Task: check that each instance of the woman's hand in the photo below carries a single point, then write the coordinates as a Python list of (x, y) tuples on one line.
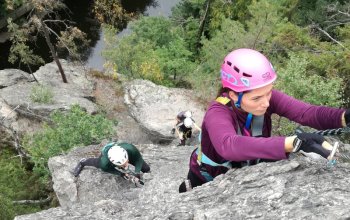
[(308, 142), (346, 118)]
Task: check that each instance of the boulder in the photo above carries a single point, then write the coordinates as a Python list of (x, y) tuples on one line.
[(16, 87), (155, 107)]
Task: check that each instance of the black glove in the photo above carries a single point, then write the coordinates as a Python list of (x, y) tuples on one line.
[(136, 181), (347, 117), (309, 142), (173, 131)]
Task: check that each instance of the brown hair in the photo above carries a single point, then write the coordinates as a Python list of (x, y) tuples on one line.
[(227, 90)]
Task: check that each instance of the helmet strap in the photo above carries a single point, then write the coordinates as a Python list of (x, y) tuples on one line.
[(248, 121), (238, 103), (247, 124)]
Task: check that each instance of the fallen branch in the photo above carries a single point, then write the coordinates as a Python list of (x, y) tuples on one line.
[(33, 202), (330, 37)]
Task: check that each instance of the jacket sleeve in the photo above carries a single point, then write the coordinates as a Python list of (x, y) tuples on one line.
[(318, 117), (220, 125), (134, 154)]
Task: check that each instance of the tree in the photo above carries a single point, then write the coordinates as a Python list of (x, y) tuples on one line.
[(40, 21), (111, 12), (8, 6)]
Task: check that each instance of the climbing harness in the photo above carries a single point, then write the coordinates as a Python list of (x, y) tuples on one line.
[(257, 125)]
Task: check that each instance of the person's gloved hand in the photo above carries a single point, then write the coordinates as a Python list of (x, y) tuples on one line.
[(309, 142), (173, 131), (347, 117), (136, 181), (125, 176)]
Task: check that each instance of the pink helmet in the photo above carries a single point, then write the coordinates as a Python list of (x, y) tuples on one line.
[(246, 69)]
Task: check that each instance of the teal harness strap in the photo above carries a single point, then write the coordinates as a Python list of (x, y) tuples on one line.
[(206, 175), (208, 161)]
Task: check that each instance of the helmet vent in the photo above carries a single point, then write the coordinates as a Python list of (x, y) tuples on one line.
[(247, 75), (229, 63), (236, 69)]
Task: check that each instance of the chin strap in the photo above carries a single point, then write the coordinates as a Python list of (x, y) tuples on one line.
[(238, 103)]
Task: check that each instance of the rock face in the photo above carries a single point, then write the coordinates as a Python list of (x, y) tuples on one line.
[(78, 90), (155, 107), (291, 189), (298, 188), (26, 115)]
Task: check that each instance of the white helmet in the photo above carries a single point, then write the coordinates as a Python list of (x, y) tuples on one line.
[(188, 114), (117, 155), (188, 122)]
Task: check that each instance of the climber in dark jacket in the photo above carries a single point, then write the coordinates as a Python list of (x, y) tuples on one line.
[(115, 158), (183, 126)]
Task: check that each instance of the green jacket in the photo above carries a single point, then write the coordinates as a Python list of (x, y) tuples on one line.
[(134, 155)]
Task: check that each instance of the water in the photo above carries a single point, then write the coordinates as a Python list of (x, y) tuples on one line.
[(159, 8), (81, 15)]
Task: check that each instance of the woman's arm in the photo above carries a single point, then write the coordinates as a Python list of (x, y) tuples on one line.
[(221, 128), (318, 117)]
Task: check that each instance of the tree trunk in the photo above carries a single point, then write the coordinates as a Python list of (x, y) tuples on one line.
[(53, 51), (202, 24)]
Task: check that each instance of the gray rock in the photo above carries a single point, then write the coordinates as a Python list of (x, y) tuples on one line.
[(290, 189), (11, 77), (155, 107), (15, 90)]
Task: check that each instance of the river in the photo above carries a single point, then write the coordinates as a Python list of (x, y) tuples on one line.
[(81, 15), (161, 8)]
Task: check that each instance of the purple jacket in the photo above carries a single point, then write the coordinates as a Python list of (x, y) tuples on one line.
[(221, 143)]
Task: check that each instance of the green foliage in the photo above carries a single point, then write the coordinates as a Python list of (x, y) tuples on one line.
[(234, 10), (154, 50), (75, 128), (19, 50), (73, 40), (16, 183), (295, 80), (41, 94), (9, 5), (161, 48), (43, 16), (205, 78), (173, 59), (111, 12), (291, 37), (158, 30), (6, 213)]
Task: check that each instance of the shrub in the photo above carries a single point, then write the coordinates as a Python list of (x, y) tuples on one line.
[(6, 213), (75, 128), (295, 80), (41, 94)]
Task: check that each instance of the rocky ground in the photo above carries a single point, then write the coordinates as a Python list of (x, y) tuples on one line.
[(110, 97)]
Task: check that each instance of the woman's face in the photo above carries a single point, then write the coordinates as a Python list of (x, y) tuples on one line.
[(255, 101), (125, 165)]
